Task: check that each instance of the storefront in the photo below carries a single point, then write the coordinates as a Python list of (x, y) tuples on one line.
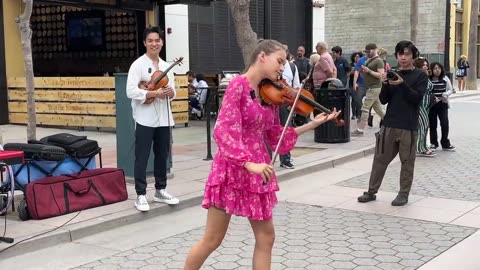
[(76, 48)]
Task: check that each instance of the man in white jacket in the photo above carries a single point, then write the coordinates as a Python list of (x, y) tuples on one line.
[(152, 120)]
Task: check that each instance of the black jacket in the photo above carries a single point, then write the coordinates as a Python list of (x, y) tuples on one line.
[(404, 99)]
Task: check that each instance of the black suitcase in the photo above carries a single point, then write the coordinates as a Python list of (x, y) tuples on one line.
[(75, 146), (38, 151)]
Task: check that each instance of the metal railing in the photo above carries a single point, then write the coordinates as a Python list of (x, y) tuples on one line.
[(212, 104)]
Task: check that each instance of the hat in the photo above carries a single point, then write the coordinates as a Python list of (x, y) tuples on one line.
[(370, 46)]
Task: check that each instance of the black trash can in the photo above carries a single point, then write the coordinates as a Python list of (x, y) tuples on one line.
[(333, 94)]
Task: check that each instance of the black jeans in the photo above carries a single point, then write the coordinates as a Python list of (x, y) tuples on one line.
[(161, 147), (440, 111), (357, 103)]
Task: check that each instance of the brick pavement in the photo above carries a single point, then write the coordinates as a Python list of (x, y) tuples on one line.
[(449, 175), (323, 238)]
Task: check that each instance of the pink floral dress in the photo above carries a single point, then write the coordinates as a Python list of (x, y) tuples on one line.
[(243, 126)]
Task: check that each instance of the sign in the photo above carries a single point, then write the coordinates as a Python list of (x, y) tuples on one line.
[(117, 4)]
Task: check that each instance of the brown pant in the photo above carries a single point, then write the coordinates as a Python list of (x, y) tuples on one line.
[(389, 143)]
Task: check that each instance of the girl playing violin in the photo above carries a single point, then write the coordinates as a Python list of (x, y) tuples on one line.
[(242, 181)]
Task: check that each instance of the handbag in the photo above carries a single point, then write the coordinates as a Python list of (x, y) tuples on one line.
[(460, 72)]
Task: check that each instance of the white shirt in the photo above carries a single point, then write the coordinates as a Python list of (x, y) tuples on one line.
[(158, 113), (202, 92), (288, 75)]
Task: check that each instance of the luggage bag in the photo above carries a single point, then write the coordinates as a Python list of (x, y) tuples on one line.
[(59, 195), (75, 146), (38, 151)]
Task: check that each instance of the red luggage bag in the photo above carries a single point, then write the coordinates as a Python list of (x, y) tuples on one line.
[(59, 195)]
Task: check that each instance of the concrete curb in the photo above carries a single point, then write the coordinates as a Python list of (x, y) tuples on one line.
[(465, 95), (70, 233)]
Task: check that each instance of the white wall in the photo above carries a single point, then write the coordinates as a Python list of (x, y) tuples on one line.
[(318, 27), (176, 18)]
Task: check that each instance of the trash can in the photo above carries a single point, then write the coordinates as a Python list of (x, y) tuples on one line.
[(333, 94)]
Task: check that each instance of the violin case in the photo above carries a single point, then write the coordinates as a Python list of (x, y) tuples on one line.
[(59, 195), (75, 146), (38, 151)]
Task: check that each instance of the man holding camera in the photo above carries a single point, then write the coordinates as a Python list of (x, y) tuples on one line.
[(371, 73), (403, 90)]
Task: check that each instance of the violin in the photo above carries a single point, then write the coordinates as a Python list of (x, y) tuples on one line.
[(279, 92), (158, 80)]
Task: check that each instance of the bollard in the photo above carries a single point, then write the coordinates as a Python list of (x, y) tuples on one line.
[(209, 136)]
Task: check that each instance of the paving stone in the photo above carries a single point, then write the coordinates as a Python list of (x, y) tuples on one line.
[(363, 244), (225, 265), (365, 262), (342, 265), (341, 257)]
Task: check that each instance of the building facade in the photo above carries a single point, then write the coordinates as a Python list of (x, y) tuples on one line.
[(352, 24)]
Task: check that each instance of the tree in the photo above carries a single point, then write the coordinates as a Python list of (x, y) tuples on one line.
[(246, 37), (413, 20), (472, 47), (23, 22)]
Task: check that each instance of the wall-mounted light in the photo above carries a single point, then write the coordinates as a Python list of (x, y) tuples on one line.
[(169, 30)]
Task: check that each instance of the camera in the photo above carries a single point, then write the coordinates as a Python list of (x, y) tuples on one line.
[(391, 75)]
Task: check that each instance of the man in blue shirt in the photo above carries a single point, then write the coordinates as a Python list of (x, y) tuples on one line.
[(358, 86)]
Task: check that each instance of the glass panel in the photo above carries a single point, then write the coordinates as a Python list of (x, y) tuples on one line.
[(459, 4), (458, 31), (478, 32), (478, 59)]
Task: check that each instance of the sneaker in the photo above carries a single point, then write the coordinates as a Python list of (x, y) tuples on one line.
[(449, 148), (287, 165), (141, 203), (197, 112), (164, 197), (367, 197), (429, 153), (433, 147), (400, 200), (356, 133)]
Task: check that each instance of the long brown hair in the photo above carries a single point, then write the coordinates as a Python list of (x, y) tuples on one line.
[(267, 46)]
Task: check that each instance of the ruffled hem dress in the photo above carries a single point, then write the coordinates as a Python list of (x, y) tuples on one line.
[(243, 129)]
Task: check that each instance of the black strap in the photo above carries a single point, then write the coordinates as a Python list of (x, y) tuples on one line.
[(67, 187), (100, 195), (370, 60)]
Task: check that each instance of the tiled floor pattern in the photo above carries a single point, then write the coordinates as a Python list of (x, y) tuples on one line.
[(308, 237)]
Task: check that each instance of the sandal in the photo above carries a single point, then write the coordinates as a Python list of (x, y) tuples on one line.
[(367, 197)]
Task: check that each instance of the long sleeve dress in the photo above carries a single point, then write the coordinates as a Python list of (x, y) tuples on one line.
[(243, 126)]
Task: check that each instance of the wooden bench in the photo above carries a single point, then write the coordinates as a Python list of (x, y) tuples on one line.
[(78, 101)]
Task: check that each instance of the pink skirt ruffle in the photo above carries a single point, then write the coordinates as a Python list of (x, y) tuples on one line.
[(256, 206)]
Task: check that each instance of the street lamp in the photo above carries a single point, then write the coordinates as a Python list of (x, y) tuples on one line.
[(446, 59)]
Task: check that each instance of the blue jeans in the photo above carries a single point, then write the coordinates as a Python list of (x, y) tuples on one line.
[(283, 119), (285, 158)]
